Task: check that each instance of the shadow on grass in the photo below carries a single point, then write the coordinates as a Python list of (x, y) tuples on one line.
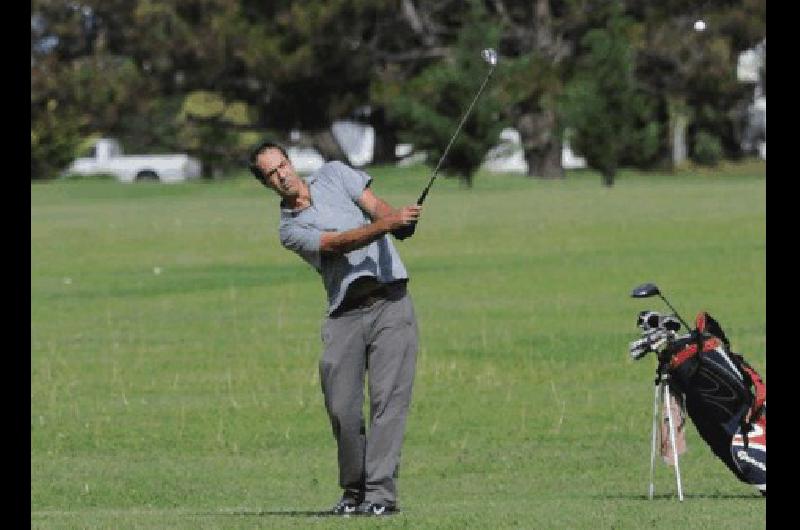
[(262, 513), (674, 496)]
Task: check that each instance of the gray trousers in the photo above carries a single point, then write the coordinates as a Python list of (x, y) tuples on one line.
[(379, 341)]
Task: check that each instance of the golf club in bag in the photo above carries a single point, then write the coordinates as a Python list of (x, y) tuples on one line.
[(489, 55), (724, 396)]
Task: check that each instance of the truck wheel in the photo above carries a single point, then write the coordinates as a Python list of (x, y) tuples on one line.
[(147, 175)]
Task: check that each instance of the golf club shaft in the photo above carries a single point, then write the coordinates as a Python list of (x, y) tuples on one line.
[(409, 229), (675, 312), (453, 138)]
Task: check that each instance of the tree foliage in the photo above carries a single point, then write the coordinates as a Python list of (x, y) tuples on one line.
[(610, 114), (693, 73), (429, 107), (150, 72)]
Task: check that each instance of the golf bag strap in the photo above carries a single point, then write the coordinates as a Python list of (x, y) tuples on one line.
[(759, 398), (700, 321), (705, 323), (691, 350), (761, 391)]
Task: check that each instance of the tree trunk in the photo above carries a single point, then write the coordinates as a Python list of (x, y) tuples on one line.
[(541, 145), (385, 139), (678, 122), (206, 169), (467, 180), (538, 125), (323, 141), (608, 177)]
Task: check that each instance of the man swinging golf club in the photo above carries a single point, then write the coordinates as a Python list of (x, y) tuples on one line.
[(339, 226)]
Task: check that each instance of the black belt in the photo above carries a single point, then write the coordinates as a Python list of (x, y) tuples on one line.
[(382, 291)]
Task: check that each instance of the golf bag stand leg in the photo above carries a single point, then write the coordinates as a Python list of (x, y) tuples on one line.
[(660, 397), (656, 404), (665, 384)]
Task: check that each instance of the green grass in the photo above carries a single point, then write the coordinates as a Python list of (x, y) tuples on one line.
[(174, 350)]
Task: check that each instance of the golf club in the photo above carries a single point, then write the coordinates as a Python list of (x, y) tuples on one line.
[(647, 290), (490, 56)]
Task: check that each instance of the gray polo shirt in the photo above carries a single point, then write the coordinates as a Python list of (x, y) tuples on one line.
[(335, 188)]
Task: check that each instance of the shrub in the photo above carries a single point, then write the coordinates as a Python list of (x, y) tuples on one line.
[(706, 149)]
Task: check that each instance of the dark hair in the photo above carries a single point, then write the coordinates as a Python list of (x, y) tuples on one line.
[(263, 146)]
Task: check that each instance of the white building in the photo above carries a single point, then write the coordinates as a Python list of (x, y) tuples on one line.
[(357, 140), (509, 157), (748, 70)]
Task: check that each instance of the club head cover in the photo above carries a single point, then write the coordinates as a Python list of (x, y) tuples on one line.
[(648, 320), (670, 323)]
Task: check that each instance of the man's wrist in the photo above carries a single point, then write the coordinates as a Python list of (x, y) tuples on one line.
[(383, 225)]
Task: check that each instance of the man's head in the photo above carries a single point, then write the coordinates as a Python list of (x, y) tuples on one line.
[(271, 166)]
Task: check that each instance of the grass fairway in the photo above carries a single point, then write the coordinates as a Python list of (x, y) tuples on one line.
[(174, 350)]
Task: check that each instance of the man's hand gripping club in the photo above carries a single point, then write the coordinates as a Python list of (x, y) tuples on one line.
[(385, 219)]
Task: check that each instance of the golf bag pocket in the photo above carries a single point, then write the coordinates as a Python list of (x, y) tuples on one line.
[(751, 457)]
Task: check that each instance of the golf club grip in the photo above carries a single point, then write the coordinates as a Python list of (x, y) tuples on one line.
[(408, 230), (405, 232), (423, 195)]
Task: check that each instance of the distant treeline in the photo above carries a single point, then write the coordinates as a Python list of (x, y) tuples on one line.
[(213, 77)]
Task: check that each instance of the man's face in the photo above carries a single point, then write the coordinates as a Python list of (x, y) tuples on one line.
[(280, 173)]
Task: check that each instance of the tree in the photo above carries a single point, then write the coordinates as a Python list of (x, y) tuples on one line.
[(692, 73), (133, 70), (310, 63), (130, 67), (55, 137), (77, 86), (603, 103), (534, 39), (209, 127), (55, 124), (429, 107)]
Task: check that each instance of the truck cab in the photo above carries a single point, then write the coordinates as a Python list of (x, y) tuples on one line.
[(105, 149)]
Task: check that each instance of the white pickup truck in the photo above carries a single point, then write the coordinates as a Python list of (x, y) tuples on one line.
[(106, 157)]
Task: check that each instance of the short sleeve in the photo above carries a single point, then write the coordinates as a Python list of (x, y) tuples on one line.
[(353, 181), (302, 239)]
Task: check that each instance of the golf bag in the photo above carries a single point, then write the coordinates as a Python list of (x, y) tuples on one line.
[(724, 396)]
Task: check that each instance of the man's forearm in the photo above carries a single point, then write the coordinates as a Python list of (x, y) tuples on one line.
[(343, 242), (382, 209)]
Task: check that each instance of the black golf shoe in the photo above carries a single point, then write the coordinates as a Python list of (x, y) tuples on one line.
[(346, 506), (376, 509)]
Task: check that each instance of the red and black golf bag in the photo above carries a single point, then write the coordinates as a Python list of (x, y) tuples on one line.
[(724, 396)]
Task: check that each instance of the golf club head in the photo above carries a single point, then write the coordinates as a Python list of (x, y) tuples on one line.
[(645, 290), (647, 320), (638, 349), (641, 347), (490, 56)]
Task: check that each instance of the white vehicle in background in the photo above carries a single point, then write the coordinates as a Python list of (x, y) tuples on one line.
[(106, 157)]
